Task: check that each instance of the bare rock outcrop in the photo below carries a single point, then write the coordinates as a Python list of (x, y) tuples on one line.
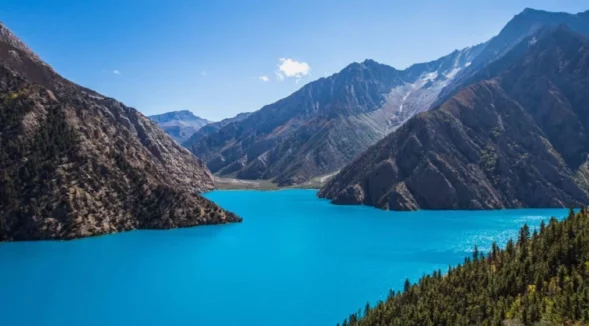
[(74, 163), (517, 137)]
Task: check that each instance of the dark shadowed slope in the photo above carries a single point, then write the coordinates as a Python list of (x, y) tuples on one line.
[(517, 139), (74, 163), (180, 125), (328, 122)]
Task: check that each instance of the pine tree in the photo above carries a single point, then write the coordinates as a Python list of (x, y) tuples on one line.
[(542, 278)]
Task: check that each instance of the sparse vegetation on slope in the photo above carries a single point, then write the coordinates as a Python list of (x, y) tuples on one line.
[(74, 163)]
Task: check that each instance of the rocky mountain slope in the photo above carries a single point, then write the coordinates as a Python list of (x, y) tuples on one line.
[(328, 122), (180, 125), (213, 127), (74, 163), (522, 26), (517, 138)]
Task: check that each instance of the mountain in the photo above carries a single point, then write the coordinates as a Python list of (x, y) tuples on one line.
[(540, 278), (180, 125), (328, 122), (212, 127), (519, 137), (520, 27), (74, 163)]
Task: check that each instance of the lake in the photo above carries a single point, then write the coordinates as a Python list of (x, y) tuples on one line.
[(295, 260)]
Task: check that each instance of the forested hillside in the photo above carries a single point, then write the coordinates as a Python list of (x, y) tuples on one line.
[(540, 279)]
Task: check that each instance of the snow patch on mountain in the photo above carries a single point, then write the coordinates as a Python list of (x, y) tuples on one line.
[(453, 72), (420, 89), (403, 101)]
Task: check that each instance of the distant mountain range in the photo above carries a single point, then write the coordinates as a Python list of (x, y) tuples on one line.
[(213, 127), (516, 136), (180, 125), (74, 163), (329, 122), (501, 124)]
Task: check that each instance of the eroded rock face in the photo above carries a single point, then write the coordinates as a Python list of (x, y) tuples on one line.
[(74, 163), (517, 138), (7, 37), (522, 26), (327, 123), (353, 194), (212, 128)]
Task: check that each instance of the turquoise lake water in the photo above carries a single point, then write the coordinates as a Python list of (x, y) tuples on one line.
[(295, 260)]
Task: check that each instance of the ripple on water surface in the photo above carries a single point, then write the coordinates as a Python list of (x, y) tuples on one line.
[(295, 260)]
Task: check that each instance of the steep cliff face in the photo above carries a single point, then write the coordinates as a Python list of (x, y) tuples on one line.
[(327, 123), (74, 163), (518, 138)]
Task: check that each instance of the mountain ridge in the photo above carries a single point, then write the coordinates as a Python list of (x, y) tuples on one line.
[(521, 26), (288, 140), (328, 122), (486, 146), (180, 125), (212, 127), (74, 163)]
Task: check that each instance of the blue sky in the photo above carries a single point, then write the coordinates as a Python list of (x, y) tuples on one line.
[(219, 58)]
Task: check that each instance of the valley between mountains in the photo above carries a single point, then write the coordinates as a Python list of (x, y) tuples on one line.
[(517, 138), (328, 123), (503, 124), (500, 124)]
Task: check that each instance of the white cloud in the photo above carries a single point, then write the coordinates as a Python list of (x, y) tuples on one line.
[(116, 72), (291, 68), (265, 79), (203, 73)]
